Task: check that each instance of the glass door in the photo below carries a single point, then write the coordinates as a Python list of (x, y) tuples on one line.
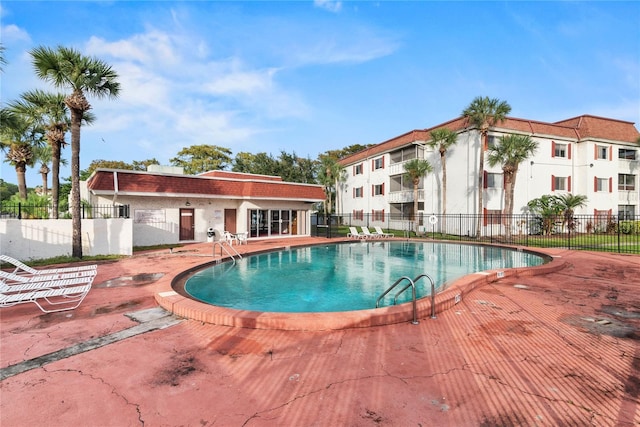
[(259, 227)]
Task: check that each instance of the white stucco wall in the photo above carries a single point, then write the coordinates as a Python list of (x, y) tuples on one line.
[(48, 238)]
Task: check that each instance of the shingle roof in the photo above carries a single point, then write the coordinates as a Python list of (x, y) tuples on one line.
[(599, 127), (578, 128), (104, 181)]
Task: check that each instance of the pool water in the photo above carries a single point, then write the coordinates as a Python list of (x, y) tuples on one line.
[(344, 276)]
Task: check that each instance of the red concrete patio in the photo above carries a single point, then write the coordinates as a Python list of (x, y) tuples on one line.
[(558, 348)]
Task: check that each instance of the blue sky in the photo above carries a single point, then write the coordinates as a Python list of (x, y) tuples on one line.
[(307, 77)]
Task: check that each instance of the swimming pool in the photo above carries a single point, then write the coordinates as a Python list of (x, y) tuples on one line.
[(344, 276)]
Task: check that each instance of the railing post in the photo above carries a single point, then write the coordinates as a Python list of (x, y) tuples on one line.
[(19, 210)]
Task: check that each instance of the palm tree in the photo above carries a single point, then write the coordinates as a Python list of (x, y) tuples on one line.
[(69, 69), (330, 174), (51, 112), (3, 60), (442, 139), (19, 137), (415, 169), (510, 151), (569, 203), (484, 113)]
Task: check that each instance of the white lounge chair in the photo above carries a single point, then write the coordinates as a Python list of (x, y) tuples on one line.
[(60, 295), (22, 268), (354, 234), (13, 279), (368, 234), (382, 233), (61, 298), (32, 285)]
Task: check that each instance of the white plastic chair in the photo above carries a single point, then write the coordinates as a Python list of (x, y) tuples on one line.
[(354, 234), (242, 238), (60, 294), (382, 233), (366, 233), (23, 269)]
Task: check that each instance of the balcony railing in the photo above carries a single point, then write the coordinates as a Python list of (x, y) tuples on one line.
[(404, 196)]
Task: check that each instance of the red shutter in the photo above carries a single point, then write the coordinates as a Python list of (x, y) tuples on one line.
[(611, 153), (383, 162), (382, 219), (354, 193), (382, 192), (569, 151), (610, 185), (595, 184), (553, 148), (484, 215), (373, 190), (569, 184), (595, 152), (354, 170), (553, 183), (484, 179), (373, 164)]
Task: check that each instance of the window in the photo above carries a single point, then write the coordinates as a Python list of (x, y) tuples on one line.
[(377, 215), (626, 212), (560, 150), (560, 183), (494, 180), (602, 152), (626, 182), (378, 190), (358, 192), (626, 154), (492, 216), (601, 184), (378, 163), (358, 169), (358, 215)]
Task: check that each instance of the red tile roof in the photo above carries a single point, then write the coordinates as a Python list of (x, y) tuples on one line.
[(104, 181), (578, 128)]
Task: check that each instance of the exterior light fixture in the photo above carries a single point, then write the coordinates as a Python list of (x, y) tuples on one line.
[(188, 203)]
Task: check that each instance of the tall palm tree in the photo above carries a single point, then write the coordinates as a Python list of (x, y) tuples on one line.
[(569, 203), (330, 174), (3, 60), (442, 139), (18, 139), (415, 169), (484, 113), (51, 112), (68, 69), (510, 151)]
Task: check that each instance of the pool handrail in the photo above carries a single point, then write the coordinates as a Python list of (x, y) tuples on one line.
[(413, 290)]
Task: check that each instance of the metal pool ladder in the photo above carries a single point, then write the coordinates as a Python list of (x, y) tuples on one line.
[(412, 285), (227, 248)]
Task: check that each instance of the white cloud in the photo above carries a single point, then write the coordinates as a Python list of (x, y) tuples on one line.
[(13, 33), (330, 5), (150, 48)]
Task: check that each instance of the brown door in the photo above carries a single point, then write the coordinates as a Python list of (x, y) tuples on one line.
[(187, 224), (230, 220)]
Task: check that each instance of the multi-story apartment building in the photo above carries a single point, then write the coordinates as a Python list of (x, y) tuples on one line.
[(593, 156)]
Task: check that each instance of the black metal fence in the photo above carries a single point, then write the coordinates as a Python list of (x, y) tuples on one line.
[(588, 232), (26, 211)]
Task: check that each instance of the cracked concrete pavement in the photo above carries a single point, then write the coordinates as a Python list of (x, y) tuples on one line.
[(558, 349)]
